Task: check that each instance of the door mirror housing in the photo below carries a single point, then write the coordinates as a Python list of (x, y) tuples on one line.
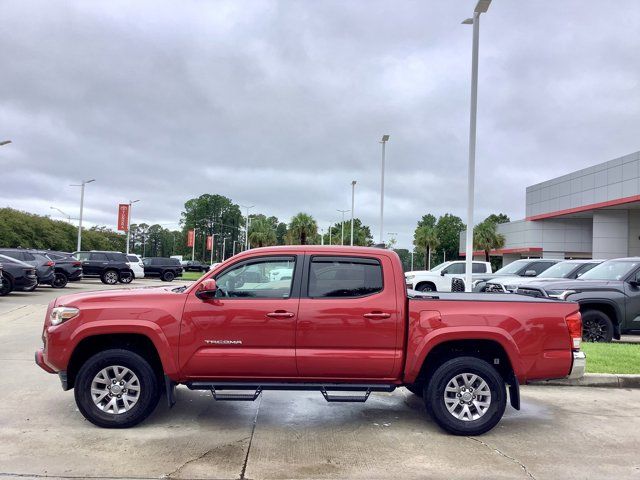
[(207, 289), (442, 273), (530, 273)]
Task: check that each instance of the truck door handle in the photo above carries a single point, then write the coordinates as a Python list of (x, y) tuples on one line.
[(376, 315), (280, 314)]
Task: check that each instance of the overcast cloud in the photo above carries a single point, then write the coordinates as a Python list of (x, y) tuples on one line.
[(282, 104)]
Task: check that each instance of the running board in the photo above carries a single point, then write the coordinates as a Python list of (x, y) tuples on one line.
[(327, 389)]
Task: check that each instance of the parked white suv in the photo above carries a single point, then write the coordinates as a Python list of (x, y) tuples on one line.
[(136, 265), (438, 279)]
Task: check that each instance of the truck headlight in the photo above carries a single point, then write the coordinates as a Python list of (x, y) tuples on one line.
[(560, 294), (62, 314), (409, 278)]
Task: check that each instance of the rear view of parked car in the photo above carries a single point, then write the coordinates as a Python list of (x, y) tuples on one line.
[(136, 265), (66, 268), (161, 267), (110, 267), (44, 266), (17, 275), (195, 266)]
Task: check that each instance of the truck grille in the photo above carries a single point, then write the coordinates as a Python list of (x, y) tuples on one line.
[(531, 292), (494, 288)]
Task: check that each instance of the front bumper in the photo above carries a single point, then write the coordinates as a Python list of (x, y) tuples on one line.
[(41, 363), (579, 365)]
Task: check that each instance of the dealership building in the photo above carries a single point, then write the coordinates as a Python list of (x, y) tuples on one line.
[(590, 213)]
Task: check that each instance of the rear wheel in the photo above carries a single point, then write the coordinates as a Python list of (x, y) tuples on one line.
[(7, 285), (110, 277), (60, 280), (125, 277), (596, 326), (168, 276), (116, 389), (466, 396)]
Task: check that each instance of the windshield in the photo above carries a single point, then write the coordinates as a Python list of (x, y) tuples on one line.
[(613, 270), (559, 270), (512, 268), (440, 267)]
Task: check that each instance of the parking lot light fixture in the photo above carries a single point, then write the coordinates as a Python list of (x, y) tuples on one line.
[(342, 224), (481, 7), (131, 202), (81, 185), (63, 213), (353, 199), (385, 139)]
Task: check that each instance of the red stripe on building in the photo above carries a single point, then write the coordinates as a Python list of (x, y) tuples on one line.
[(586, 208)]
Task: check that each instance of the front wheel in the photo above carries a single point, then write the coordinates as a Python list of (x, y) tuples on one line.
[(596, 326), (168, 276), (116, 389), (426, 287), (466, 396), (60, 280)]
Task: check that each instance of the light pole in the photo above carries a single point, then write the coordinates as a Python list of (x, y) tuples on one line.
[(193, 246), (131, 202), (81, 185), (246, 240), (385, 139), (353, 198), (224, 248), (321, 236), (481, 7), (5, 142), (66, 215), (412, 260), (330, 232), (342, 234)]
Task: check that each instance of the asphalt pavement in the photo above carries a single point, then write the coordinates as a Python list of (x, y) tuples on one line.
[(561, 432)]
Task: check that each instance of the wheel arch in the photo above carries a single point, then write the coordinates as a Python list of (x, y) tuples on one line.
[(608, 307), (426, 282)]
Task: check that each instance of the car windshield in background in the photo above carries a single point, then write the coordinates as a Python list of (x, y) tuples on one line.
[(613, 270), (512, 268), (559, 270), (440, 267)]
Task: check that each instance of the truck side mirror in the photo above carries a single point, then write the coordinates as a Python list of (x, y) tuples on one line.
[(530, 273), (207, 289)]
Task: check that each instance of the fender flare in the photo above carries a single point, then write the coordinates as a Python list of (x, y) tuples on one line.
[(446, 334), (140, 327)]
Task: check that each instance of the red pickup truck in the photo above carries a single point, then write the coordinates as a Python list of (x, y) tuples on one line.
[(337, 320)]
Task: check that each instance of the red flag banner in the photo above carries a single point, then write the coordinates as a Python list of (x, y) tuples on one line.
[(123, 217), (209, 242), (191, 238)]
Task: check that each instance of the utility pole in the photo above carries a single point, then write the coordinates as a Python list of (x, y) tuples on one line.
[(81, 185), (353, 197), (248, 207), (131, 202), (342, 234), (224, 248), (385, 139)]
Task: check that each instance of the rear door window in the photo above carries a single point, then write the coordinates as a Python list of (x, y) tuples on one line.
[(331, 277), (98, 257), (479, 268)]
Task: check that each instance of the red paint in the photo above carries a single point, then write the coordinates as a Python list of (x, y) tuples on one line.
[(209, 242), (380, 338), (586, 208), (123, 217), (191, 238)]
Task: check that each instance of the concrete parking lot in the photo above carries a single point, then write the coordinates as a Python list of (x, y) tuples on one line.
[(561, 432)]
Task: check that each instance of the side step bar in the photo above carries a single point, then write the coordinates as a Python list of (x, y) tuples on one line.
[(255, 390)]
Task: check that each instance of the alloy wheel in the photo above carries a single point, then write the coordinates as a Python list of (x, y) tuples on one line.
[(467, 397), (115, 389), (594, 330)]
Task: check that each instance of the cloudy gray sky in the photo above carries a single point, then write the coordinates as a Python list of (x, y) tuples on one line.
[(281, 104)]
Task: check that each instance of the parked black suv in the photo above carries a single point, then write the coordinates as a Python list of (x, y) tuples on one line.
[(16, 275), (44, 266), (165, 268), (111, 267), (531, 267), (195, 266), (67, 269), (609, 298)]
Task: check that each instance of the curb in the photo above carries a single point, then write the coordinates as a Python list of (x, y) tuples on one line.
[(608, 380)]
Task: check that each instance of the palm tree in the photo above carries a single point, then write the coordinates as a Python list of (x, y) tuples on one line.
[(303, 228), (261, 233), (426, 238), (487, 238)]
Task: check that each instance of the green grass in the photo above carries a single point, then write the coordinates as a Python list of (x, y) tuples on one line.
[(612, 357), (191, 275)]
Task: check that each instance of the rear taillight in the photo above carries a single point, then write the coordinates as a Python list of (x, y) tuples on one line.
[(77, 264), (574, 325), (49, 264)]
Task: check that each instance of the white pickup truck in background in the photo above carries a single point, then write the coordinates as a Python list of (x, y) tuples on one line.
[(438, 279)]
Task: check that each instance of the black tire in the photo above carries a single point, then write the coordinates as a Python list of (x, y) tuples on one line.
[(7, 285), (168, 276), (417, 390), (434, 396), (148, 384), (60, 280), (125, 277), (109, 277), (426, 287), (596, 326)]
